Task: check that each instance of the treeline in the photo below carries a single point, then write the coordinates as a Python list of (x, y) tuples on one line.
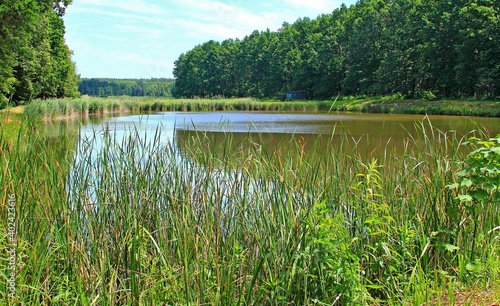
[(126, 87), (35, 61), (411, 48)]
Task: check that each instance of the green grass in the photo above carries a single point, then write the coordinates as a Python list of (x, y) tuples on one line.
[(85, 106), (137, 222), (421, 106), (10, 124)]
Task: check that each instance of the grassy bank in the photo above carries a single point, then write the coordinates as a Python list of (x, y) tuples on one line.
[(135, 221), (443, 107), (85, 106)]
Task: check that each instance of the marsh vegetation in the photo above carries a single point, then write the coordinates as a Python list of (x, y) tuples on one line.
[(87, 106), (135, 219)]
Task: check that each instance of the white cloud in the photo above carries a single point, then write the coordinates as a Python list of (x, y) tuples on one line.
[(142, 38), (134, 6), (317, 6), (207, 31), (219, 17), (145, 32), (122, 15), (138, 59)]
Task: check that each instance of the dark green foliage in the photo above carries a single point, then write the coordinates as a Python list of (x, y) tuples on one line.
[(35, 61), (479, 185), (417, 49), (126, 87)]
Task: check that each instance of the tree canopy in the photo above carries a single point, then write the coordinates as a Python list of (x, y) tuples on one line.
[(412, 48), (35, 61), (104, 87)]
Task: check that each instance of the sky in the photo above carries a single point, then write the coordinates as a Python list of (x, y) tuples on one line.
[(143, 38)]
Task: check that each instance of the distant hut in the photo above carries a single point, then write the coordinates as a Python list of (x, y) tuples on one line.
[(296, 95)]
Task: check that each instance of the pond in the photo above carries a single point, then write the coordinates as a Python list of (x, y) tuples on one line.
[(131, 198), (368, 132)]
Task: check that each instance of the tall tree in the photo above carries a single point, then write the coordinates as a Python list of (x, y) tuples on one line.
[(477, 72), (363, 48), (376, 47), (34, 59)]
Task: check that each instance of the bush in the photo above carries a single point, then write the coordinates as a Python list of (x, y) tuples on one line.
[(478, 187)]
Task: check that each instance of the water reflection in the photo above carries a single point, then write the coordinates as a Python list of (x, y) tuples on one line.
[(115, 154), (370, 133), (339, 131)]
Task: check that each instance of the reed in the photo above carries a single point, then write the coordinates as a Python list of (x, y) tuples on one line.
[(85, 106), (104, 220)]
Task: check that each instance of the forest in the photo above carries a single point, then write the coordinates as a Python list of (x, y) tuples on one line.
[(35, 61), (126, 87), (406, 48)]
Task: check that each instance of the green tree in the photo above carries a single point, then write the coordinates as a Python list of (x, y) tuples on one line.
[(64, 70), (229, 81), (211, 69), (376, 47), (254, 62), (477, 71), (288, 57), (328, 62), (188, 74), (35, 61), (364, 28), (398, 71)]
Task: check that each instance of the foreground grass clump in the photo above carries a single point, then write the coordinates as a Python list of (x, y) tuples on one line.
[(104, 220), (10, 123)]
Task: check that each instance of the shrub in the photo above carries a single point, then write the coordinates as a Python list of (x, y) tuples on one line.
[(478, 187)]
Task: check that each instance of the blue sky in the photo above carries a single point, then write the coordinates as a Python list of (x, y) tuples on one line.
[(143, 38)]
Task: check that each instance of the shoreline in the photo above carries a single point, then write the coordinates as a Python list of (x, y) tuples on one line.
[(68, 109), (308, 196)]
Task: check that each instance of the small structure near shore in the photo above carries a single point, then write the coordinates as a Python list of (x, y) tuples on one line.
[(296, 95)]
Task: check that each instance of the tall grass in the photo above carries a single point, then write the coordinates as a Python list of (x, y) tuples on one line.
[(445, 107), (112, 221), (85, 106)]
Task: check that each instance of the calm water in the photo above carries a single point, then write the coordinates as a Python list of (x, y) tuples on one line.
[(369, 132)]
